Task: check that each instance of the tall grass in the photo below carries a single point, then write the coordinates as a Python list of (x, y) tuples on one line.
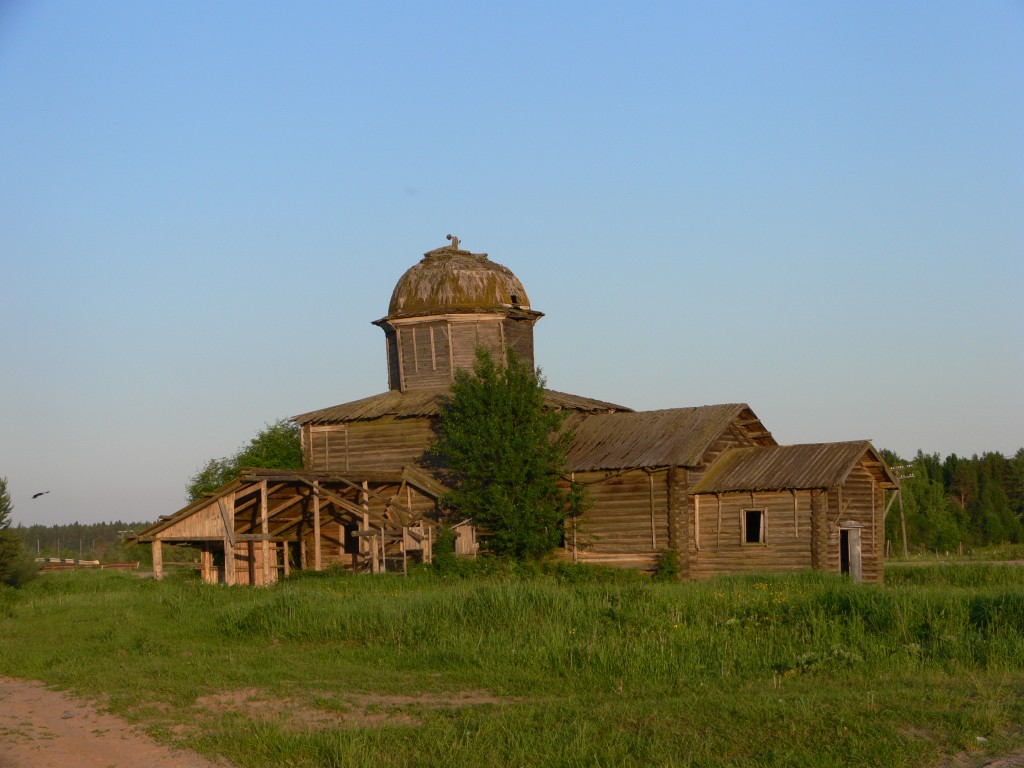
[(585, 666)]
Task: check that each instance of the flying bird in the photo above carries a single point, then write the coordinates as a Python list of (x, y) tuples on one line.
[(37, 495)]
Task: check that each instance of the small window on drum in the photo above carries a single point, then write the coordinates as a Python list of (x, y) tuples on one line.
[(754, 526)]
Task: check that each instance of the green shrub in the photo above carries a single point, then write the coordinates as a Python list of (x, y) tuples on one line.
[(667, 568)]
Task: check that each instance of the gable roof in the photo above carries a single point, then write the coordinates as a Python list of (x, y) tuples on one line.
[(675, 437), (427, 403), (792, 467)]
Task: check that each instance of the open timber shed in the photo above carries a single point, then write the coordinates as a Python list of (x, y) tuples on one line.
[(709, 482)]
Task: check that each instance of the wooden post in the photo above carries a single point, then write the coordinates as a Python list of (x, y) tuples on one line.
[(158, 559), (317, 553), (264, 529), (229, 562), (364, 502), (903, 524), (284, 559), (206, 562)]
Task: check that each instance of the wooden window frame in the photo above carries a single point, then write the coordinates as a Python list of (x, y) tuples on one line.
[(763, 540)]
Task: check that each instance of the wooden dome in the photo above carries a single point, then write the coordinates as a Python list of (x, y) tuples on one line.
[(448, 280)]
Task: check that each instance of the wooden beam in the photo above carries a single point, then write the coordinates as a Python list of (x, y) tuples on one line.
[(229, 562), (287, 504), (424, 482), (317, 553), (263, 530), (158, 559), (228, 517), (349, 506)]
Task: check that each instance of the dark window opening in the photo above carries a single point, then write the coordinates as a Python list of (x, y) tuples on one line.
[(351, 541), (753, 526), (844, 551), (515, 299)]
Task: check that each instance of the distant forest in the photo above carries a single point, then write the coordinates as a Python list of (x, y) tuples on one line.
[(948, 503), (956, 502)]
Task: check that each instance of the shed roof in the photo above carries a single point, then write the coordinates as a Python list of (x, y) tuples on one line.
[(427, 402), (675, 437), (792, 467)]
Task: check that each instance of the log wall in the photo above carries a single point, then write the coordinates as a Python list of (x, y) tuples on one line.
[(383, 444), (802, 530), (627, 523), (858, 501), (720, 547)]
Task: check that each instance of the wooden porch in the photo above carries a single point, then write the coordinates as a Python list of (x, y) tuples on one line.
[(266, 523)]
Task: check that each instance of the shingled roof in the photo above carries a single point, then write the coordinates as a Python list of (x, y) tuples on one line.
[(427, 402), (675, 437), (796, 467)]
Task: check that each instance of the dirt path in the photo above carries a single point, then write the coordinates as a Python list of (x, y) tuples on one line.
[(40, 728)]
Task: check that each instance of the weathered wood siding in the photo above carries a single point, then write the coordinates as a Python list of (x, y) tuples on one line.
[(858, 501), (205, 523), (619, 528), (795, 537), (425, 353), (426, 358), (394, 367), (629, 517), (466, 335), (718, 547), (519, 336), (383, 444), (249, 563), (734, 437)]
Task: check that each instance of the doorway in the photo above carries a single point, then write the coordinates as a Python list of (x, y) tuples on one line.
[(849, 553)]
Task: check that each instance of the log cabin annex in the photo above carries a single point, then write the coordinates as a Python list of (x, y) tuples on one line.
[(709, 482)]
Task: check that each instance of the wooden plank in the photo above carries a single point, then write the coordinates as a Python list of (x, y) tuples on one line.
[(230, 577), (317, 552), (228, 518), (158, 559), (263, 530)]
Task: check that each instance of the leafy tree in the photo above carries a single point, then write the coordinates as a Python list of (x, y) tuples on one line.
[(277, 446), (504, 452), (16, 566)]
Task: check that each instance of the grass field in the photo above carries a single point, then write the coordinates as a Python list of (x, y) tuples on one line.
[(557, 666)]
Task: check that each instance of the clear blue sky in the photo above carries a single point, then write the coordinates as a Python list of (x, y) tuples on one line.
[(815, 208)]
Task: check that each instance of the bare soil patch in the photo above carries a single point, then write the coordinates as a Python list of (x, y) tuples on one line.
[(41, 728), (329, 710)]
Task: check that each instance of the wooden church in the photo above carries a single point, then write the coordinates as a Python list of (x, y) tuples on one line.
[(709, 482)]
